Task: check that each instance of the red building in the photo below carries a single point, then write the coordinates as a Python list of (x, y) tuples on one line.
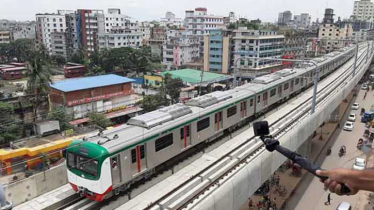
[(12, 71), (109, 94), (72, 70)]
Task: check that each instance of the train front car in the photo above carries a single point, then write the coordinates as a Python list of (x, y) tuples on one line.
[(89, 169)]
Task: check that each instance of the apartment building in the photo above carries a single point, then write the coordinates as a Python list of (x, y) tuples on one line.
[(59, 44), (284, 18), (90, 25), (171, 21), (199, 22), (330, 34), (19, 30), (5, 37), (363, 10), (115, 20), (303, 20), (117, 38)]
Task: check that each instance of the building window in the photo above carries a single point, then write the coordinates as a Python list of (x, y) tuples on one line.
[(203, 124), (231, 111), (164, 142)]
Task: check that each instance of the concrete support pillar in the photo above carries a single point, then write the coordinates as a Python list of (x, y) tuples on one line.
[(306, 148), (334, 116)]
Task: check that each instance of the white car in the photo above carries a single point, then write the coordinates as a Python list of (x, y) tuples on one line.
[(364, 87), (352, 117), (360, 164), (355, 106), (348, 126), (344, 206)]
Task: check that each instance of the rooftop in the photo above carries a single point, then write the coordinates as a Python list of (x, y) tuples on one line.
[(70, 85), (194, 76)]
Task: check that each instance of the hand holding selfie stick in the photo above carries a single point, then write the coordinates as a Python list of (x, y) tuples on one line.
[(261, 129)]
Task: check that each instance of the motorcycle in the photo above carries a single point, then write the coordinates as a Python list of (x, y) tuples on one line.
[(328, 151), (360, 144)]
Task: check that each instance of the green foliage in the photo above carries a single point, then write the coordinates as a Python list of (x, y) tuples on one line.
[(95, 71), (152, 102), (244, 23), (59, 60), (172, 87), (60, 115), (9, 130), (20, 49), (99, 120)]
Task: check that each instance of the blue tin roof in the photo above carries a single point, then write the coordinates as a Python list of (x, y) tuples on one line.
[(83, 83)]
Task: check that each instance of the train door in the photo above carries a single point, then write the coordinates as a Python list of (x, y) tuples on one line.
[(243, 109), (218, 120), (185, 136), (292, 86), (138, 161), (116, 172), (265, 99), (280, 91)]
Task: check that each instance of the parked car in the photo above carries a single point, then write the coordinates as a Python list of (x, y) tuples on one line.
[(348, 126), (355, 106), (364, 87), (344, 206), (352, 117), (360, 164)]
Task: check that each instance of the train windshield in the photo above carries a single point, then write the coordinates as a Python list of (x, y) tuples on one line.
[(83, 164)]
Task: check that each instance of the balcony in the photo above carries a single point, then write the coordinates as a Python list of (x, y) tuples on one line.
[(215, 59)]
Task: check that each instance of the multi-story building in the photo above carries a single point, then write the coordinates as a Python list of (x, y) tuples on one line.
[(217, 51), (333, 35), (115, 20), (284, 18), (72, 35), (59, 44), (24, 30), (171, 21), (199, 22), (47, 24), (303, 20), (90, 25), (107, 94), (363, 10), (295, 45), (158, 38), (5, 37), (117, 38), (256, 44), (179, 49), (361, 35)]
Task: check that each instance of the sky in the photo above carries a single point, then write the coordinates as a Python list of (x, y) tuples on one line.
[(266, 10)]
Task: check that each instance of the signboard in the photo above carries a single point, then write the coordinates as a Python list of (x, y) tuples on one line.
[(98, 98), (119, 108)]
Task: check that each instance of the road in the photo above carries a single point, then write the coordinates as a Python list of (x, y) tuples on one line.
[(310, 194)]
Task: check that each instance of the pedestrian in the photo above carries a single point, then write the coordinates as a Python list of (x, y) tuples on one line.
[(250, 203), (365, 95), (328, 199)]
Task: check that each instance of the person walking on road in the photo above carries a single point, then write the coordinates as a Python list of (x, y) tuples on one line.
[(328, 199), (365, 95)]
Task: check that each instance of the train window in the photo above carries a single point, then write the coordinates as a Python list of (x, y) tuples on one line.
[(297, 81), (231, 111), (71, 160), (273, 92), (87, 165), (133, 156), (258, 99), (251, 102), (182, 132), (164, 142), (203, 124), (142, 152), (286, 86)]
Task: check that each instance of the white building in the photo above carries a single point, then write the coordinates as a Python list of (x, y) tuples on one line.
[(59, 44), (303, 20), (330, 34), (180, 48), (115, 20), (48, 23), (361, 35), (171, 21), (256, 44), (200, 23), (24, 30), (363, 10), (120, 38), (284, 18)]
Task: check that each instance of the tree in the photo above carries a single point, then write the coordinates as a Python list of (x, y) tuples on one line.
[(60, 60), (39, 80), (99, 120), (95, 71), (152, 102), (60, 115), (9, 130), (173, 87)]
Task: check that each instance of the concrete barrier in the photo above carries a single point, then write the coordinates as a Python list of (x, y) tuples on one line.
[(36, 185)]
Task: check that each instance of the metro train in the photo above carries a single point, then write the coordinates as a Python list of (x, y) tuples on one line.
[(105, 164)]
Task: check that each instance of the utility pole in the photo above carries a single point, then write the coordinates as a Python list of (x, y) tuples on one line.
[(201, 81), (316, 75)]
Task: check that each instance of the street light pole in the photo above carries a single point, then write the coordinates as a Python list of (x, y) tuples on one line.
[(355, 64), (316, 75)]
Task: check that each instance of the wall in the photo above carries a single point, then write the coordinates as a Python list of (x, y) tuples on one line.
[(206, 52), (36, 185), (226, 55)]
